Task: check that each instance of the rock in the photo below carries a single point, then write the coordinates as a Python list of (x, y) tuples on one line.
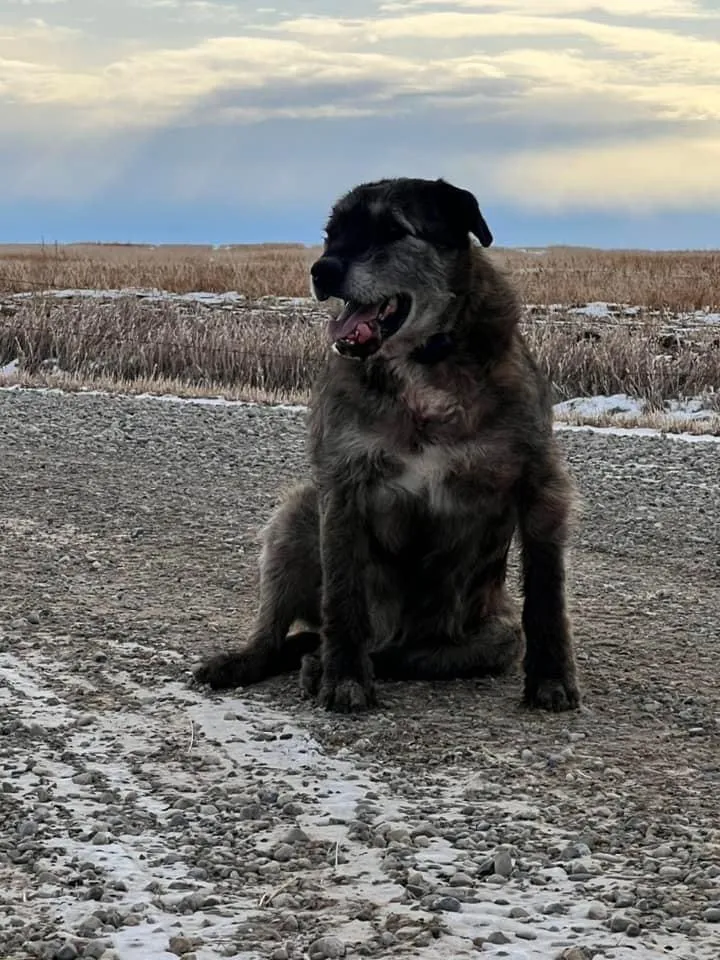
[(283, 853), (326, 948), (296, 835), (503, 863), (179, 946), (518, 913), (497, 936), (96, 948), (597, 911), (711, 915), (66, 952), (438, 904), (618, 923)]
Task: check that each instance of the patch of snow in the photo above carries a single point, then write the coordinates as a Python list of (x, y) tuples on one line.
[(156, 295), (635, 433), (600, 406), (10, 369), (622, 406), (597, 308)]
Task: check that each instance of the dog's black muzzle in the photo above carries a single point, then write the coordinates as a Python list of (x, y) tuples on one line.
[(328, 277)]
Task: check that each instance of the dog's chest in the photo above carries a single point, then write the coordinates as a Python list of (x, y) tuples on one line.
[(424, 474)]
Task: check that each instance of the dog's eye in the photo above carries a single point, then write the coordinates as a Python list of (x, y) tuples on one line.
[(391, 230)]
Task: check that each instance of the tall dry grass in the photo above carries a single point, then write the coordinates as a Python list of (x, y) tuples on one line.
[(668, 280), (257, 270), (274, 352)]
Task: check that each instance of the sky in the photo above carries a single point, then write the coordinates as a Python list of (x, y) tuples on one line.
[(589, 122)]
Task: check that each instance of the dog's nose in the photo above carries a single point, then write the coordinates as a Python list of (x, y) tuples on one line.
[(327, 275)]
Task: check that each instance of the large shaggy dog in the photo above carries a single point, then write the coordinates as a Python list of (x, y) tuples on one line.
[(431, 443)]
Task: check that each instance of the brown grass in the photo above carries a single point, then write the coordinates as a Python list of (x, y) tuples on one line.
[(271, 350), (668, 281)]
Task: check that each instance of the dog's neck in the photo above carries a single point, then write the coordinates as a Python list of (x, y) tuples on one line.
[(436, 348)]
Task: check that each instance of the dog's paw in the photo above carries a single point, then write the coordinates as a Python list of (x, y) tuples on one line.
[(227, 670), (347, 695), (554, 694)]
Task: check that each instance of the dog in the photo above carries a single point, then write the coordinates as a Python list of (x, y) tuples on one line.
[(431, 445)]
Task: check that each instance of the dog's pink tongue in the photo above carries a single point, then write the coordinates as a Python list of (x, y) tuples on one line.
[(353, 319)]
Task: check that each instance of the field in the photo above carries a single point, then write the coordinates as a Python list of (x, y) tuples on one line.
[(641, 328), (146, 820)]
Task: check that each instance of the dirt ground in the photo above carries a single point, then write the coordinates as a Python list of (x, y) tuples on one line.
[(144, 819)]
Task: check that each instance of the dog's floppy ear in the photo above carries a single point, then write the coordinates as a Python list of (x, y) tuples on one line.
[(464, 212)]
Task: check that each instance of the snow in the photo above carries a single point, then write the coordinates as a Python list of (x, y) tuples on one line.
[(141, 293), (599, 406), (639, 433), (620, 404)]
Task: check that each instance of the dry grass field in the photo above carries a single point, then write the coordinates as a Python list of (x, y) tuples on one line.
[(652, 330), (566, 275)]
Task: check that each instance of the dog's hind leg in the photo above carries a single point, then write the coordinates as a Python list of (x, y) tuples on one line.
[(493, 649), (290, 583)]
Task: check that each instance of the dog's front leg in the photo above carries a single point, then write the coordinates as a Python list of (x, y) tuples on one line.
[(347, 679), (543, 506)]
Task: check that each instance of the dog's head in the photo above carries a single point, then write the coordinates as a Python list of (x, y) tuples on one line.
[(390, 253)]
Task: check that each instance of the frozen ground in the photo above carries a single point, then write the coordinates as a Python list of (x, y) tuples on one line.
[(143, 819)]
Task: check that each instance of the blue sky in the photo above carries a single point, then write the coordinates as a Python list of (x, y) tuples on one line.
[(591, 122)]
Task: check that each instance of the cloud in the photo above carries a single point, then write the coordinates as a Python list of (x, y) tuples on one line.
[(671, 173), (618, 8), (502, 93)]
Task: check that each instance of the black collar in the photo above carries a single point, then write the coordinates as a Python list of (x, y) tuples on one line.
[(436, 348)]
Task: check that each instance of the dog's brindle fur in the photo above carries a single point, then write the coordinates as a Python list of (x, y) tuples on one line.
[(426, 457)]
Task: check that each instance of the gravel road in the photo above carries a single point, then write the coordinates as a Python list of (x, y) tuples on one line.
[(143, 819)]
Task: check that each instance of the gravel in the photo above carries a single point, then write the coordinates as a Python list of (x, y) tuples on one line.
[(145, 819)]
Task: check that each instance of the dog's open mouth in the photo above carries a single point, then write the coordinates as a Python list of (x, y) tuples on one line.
[(360, 328)]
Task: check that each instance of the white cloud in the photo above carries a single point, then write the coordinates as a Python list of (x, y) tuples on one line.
[(618, 8), (532, 63), (661, 174)]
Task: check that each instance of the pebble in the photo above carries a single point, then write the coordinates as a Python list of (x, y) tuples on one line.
[(597, 911), (66, 952), (503, 863), (498, 937), (96, 948), (296, 835), (326, 948), (712, 915), (283, 853), (518, 913), (180, 945), (439, 904)]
